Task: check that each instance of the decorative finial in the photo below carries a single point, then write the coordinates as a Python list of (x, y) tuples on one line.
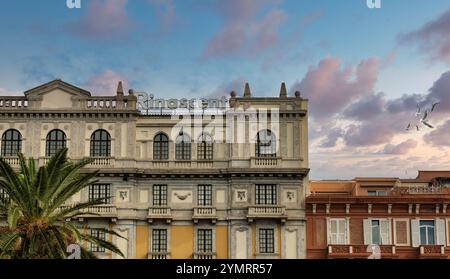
[(297, 94), (247, 92), (120, 88), (131, 92), (233, 94), (283, 91)]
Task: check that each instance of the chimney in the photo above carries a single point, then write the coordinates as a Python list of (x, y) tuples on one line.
[(283, 91), (247, 92)]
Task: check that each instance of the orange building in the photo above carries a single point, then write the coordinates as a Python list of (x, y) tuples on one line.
[(380, 217)]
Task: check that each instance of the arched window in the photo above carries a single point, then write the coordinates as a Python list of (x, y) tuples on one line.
[(56, 140), (266, 144), (205, 147), (183, 147), (11, 142), (100, 144), (160, 147)]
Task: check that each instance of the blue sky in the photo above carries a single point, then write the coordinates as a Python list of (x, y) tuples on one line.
[(204, 47)]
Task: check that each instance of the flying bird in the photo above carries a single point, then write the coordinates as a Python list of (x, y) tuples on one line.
[(434, 106)]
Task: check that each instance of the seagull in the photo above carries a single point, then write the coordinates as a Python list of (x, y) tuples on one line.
[(418, 110), (434, 106), (427, 124), (409, 127)]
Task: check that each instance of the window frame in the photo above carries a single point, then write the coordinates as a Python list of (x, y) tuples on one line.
[(100, 147), (204, 240), (205, 147), (161, 147), (10, 145), (204, 195), (426, 227), (266, 147), (105, 193), (266, 242), (158, 242), (336, 235), (183, 147), (100, 233), (159, 194), (265, 197), (53, 145)]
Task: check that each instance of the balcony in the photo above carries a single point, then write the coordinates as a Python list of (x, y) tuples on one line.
[(161, 212), (101, 161), (97, 211), (265, 162), (12, 161), (359, 251), (159, 255), (204, 255), (432, 252), (204, 212), (267, 211)]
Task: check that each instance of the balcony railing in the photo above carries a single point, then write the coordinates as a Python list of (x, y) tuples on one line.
[(204, 255), (97, 211), (432, 251), (159, 212), (158, 255), (266, 211), (13, 102), (12, 160), (265, 162), (204, 212), (102, 161), (360, 251)]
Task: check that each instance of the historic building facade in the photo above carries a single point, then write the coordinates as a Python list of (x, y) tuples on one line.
[(184, 182), (380, 217)]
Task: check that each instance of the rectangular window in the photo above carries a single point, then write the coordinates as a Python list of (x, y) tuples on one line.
[(338, 231), (267, 241), (159, 240), (204, 241), (99, 234), (204, 195), (266, 194), (100, 191), (427, 232), (159, 195), (376, 237), (376, 193), (380, 231)]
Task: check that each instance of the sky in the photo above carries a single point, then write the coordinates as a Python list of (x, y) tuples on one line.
[(363, 70)]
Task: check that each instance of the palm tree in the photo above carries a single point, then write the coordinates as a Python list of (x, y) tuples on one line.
[(38, 220)]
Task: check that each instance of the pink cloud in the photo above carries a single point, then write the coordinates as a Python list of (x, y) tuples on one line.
[(440, 136), (243, 31), (105, 19), (105, 84), (331, 87), (433, 38), (401, 148)]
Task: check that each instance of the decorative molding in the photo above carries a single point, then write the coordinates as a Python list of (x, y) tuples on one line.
[(347, 208), (390, 208), (417, 208), (328, 206), (314, 208), (369, 208), (410, 208), (182, 197)]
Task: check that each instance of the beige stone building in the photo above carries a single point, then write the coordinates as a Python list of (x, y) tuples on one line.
[(187, 178)]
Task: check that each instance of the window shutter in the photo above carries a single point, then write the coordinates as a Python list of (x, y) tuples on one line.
[(385, 232), (367, 231), (328, 231), (440, 232), (415, 233)]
